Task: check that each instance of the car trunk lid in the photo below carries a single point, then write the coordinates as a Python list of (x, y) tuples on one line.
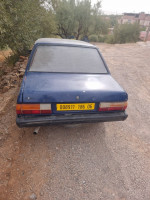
[(65, 88)]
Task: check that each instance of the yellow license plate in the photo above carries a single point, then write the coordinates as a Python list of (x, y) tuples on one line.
[(75, 106)]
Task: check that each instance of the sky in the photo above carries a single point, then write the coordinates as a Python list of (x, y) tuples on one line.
[(121, 6)]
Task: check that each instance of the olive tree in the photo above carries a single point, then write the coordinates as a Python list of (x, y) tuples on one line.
[(78, 18), (23, 22)]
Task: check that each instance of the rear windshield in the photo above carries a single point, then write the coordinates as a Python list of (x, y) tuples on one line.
[(67, 59)]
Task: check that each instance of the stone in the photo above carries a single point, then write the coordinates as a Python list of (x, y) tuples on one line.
[(41, 193), (21, 70), (12, 86), (23, 65), (21, 74), (7, 70), (4, 82), (15, 68), (22, 57), (14, 80), (5, 88), (17, 65), (8, 77), (33, 196)]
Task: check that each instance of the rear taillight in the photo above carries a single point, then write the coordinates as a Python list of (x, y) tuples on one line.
[(33, 109), (112, 106)]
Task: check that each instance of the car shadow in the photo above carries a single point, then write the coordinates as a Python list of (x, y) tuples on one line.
[(69, 131)]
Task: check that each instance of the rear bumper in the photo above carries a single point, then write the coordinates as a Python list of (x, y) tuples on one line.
[(26, 121)]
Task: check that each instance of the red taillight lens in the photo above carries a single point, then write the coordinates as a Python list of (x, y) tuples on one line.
[(33, 109), (18, 109), (112, 106)]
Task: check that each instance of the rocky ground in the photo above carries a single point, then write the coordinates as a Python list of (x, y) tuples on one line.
[(88, 161), (12, 75)]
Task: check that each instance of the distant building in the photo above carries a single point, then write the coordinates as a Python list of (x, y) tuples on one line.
[(143, 35), (131, 18)]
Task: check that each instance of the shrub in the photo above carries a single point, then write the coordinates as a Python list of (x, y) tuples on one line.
[(101, 38), (126, 33), (109, 39), (93, 38)]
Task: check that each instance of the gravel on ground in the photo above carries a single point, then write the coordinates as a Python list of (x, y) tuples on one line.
[(109, 161)]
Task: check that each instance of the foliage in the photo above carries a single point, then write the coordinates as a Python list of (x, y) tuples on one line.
[(113, 20), (100, 25), (97, 38), (22, 23), (93, 38), (12, 59), (82, 17), (126, 33), (78, 18), (143, 28), (65, 18), (110, 39), (102, 38)]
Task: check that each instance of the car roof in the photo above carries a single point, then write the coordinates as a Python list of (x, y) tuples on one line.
[(64, 42)]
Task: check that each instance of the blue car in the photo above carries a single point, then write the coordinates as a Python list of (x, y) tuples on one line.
[(68, 81)]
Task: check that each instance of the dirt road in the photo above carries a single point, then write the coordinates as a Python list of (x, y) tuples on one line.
[(89, 161)]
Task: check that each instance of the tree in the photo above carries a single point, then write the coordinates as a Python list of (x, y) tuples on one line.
[(99, 25), (65, 18), (82, 17), (113, 20), (23, 22), (78, 18)]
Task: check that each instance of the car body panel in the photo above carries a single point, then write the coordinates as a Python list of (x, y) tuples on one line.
[(56, 87), (25, 121)]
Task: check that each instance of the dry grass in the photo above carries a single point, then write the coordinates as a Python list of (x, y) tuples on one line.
[(4, 54)]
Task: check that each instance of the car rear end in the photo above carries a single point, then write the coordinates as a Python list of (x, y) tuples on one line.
[(66, 83), (33, 115)]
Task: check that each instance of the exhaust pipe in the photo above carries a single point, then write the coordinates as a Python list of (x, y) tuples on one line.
[(36, 130)]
